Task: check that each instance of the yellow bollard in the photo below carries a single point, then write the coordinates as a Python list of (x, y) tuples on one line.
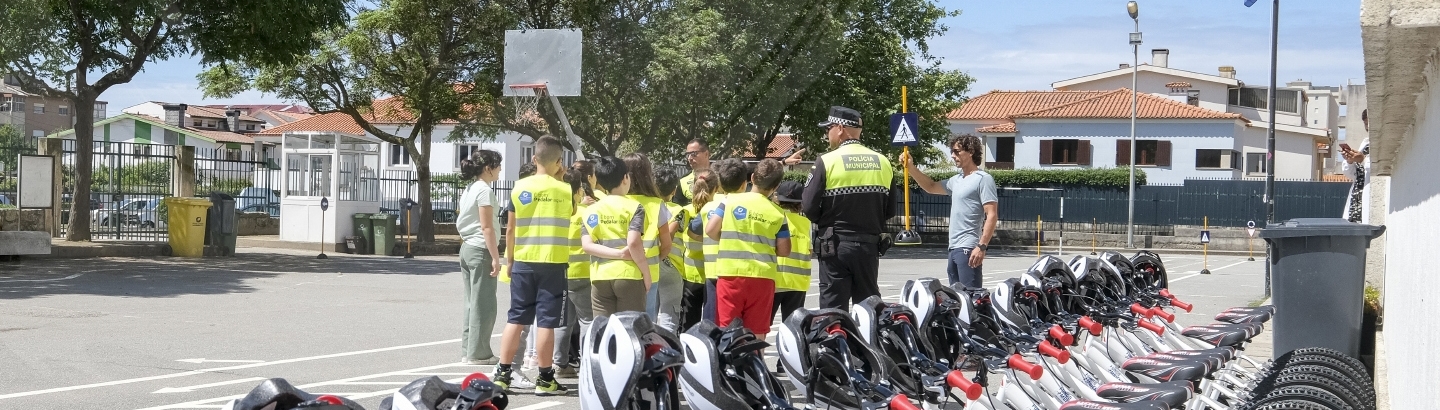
[(1092, 235), (1205, 249)]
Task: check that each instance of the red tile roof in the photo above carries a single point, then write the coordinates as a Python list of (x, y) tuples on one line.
[(997, 105), (252, 108), (208, 112), (1005, 128), (1178, 84), (780, 147), (331, 122), (1116, 104)]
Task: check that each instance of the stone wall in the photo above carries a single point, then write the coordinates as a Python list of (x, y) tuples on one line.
[(23, 220), (250, 223)]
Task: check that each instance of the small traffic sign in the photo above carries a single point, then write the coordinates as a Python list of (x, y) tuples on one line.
[(409, 204), (1204, 236), (324, 204), (904, 127), (1251, 231)]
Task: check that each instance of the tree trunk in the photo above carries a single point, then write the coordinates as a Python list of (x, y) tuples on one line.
[(426, 223), (84, 104)]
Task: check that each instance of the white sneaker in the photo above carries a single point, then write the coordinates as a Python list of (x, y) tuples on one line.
[(531, 364), (520, 381)]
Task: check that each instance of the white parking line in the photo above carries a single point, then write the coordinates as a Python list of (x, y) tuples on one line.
[(1211, 271), (220, 369), (540, 405), (43, 280), (338, 382)]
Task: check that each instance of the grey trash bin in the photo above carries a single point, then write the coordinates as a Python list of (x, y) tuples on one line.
[(221, 230), (1318, 282)]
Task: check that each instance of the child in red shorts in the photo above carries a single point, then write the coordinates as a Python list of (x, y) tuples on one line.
[(752, 235)]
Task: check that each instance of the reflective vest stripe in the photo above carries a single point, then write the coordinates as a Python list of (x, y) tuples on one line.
[(747, 255), (609, 226), (543, 207), (579, 259), (542, 221), (747, 237), (747, 242), (794, 270), (542, 240)]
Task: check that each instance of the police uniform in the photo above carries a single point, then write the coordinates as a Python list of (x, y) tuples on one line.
[(746, 261), (849, 198), (543, 207)]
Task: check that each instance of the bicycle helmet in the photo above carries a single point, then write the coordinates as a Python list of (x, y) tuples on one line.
[(941, 314), (279, 394), (822, 373), (720, 371), (1016, 304), (621, 359), (1149, 270), (430, 393)]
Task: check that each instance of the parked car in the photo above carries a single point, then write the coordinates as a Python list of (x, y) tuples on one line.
[(137, 212), (272, 209), (256, 196)]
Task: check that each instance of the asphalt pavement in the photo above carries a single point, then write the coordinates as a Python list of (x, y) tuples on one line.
[(173, 333)]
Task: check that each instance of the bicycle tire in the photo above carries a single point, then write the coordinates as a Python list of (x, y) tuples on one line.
[(1359, 378), (1292, 405), (1358, 387), (1355, 364), (1318, 395), (1322, 383), (1353, 393)]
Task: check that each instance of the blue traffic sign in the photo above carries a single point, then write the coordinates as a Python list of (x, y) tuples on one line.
[(905, 129), (324, 204), (1204, 236)]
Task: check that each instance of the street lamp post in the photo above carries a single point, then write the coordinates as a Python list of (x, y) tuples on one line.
[(1134, 10)]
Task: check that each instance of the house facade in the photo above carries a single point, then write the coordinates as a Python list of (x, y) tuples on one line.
[(36, 116), (144, 129)]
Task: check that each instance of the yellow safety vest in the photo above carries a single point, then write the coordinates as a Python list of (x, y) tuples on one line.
[(677, 240), (651, 236), (747, 237), (579, 260), (608, 221), (709, 247), (686, 186), (795, 269), (853, 168), (543, 206), (694, 248)]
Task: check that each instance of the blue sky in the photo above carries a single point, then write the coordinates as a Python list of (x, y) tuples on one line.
[(1028, 44)]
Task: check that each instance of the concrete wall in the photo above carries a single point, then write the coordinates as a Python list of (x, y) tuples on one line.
[(1410, 303), (247, 224), (1185, 137)]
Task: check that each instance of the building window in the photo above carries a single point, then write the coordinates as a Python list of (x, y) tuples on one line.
[(37, 133), (463, 152), (1217, 159), (1005, 149), (39, 108), (1145, 151), (1255, 163), (249, 127), (398, 156), (209, 123), (19, 104), (196, 123), (1065, 152), (1154, 153), (1259, 98), (62, 110), (1192, 97)]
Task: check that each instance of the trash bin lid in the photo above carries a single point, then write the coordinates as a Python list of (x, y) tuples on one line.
[(1305, 227), (175, 200)]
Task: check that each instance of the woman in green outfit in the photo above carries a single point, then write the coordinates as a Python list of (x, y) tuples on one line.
[(479, 254)]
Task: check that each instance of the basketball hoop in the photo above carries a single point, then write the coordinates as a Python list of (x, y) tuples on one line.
[(527, 102)]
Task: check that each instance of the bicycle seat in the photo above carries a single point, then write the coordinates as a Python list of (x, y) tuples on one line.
[(1221, 335), (1173, 394), (1167, 370), (1224, 353), (1267, 309), (1100, 405), (1245, 315), (1211, 362)]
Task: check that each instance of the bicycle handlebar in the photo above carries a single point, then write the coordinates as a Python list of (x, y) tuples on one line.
[(1137, 309), (1091, 325), (1158, 311), (1059, 354), (900, 402), (1159, 330), (1060, 335), (957, 380), (1018, 362), (1182, 305)]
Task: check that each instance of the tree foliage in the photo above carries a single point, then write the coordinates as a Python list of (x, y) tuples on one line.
[(428, 55), (78, 49)]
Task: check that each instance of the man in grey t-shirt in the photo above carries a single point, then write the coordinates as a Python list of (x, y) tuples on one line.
[(974, 209)]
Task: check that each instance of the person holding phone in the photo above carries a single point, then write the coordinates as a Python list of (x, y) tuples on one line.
[(1356, 163)]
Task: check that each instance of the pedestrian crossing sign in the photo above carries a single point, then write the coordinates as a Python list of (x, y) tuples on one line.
[(904, 127), (1204, 236)]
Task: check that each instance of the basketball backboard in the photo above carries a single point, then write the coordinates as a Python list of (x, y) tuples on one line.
[(550, 56)]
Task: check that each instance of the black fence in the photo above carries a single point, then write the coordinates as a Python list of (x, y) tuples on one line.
[(128, 182), (445, 191), (9, 162), (252, 181), (1158, 208)]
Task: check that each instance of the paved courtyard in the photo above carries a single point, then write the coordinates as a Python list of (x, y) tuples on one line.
[(170, 333)]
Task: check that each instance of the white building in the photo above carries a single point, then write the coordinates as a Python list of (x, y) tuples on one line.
[(1175, 140), (144, 129)]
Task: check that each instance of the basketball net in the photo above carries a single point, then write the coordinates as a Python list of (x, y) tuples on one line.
[(527, 103)]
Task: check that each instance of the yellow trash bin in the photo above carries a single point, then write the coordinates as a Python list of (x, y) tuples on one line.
[(186, 217)]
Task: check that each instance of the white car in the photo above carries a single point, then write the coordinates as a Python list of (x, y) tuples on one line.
[(138, 212)]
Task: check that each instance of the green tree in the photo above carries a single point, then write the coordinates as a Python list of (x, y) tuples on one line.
[(78, 49), (426, 54), (10, 143)]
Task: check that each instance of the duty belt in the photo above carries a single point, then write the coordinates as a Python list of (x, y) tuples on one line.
[(858, 237)]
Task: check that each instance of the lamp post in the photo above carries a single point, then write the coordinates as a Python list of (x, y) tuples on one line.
[(1134, 10)]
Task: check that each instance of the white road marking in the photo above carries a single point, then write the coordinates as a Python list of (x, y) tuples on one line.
[(188, 389), (1211, 271), (219, 369), (43, 280), (191, 404), (373, 383), (540, 405), (199, 361)]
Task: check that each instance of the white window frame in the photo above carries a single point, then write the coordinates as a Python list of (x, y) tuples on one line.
[(464, 151), (403, 159), (62, 110)]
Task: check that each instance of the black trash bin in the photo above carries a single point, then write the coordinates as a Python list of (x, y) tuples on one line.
[(220, 230), (1318, 282)]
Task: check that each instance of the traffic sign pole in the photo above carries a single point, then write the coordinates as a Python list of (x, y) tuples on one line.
[(1205, 247), (324, 206), (409, 204), (1250, 240)]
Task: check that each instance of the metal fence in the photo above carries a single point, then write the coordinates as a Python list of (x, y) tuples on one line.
[(1158, 208), (252, 181), (128, 182), (445, 191), (9, 161)]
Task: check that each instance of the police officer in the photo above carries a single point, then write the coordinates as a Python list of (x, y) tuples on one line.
[(848, 196)]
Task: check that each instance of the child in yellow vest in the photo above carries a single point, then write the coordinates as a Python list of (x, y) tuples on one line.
[(752, 235), (577, 298), (691, 229), (612, 236), (655, 238), (672, 266), (794, 270)]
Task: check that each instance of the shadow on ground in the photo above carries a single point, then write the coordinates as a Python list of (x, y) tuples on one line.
[(939, 252), (168, 277)]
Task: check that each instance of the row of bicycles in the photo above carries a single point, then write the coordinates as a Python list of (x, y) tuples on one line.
[(1093, 333)]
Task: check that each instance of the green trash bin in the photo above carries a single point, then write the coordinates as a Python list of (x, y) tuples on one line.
[(363, 232), (385, 230)]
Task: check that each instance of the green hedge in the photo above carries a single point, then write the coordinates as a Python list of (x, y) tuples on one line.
[(1105, 177)]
